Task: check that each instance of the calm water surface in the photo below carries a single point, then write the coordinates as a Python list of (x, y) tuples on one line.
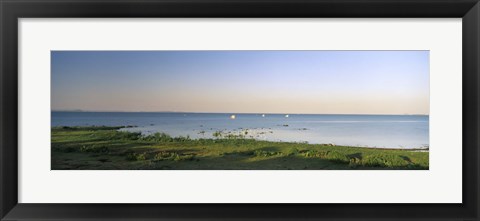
[(384, 131)]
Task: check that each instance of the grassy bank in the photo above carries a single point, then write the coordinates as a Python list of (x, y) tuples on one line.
[(106, 148)]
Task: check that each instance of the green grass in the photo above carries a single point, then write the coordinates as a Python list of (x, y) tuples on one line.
[(107, 148)]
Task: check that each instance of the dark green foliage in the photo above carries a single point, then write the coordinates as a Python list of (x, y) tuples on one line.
[(217, 134), (381, 160), (263, 153), (172, 156), (181, 139), (355, 160), (136, 156), (334, 156), (314, 153), (94, 149), (64, 149), (124, 135), (158, 137), (165, 156), (291, 151)]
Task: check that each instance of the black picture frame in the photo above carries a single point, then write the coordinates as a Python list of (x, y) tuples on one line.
[(12, 10)]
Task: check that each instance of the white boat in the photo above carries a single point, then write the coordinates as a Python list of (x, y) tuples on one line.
[(286, 115), (233, 117), (263, 115)]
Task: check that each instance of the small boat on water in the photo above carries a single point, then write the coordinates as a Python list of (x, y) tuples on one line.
[(286, 115), (263, 115), (233, 117)]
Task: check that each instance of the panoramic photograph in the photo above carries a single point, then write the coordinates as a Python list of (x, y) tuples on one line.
[(240, 110)]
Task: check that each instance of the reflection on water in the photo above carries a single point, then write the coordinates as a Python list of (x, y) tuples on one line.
[(390, 131)]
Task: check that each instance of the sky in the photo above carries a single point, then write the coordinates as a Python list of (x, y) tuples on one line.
[(309, 82)]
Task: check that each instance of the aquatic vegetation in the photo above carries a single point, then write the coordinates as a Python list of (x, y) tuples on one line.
[(124, 135), (158, 137), (217, 134)]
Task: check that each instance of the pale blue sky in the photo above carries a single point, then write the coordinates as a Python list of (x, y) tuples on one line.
[(323, 82)]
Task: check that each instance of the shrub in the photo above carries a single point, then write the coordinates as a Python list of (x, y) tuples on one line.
[(263, 153), (172, 156), (327, 155), (314, 153), (94, 149), (158, 137), (354, 162), (291, 151), (378, 160), (217, 134), (165, 156), (234, 136), (165, 138), (124, 135), (184, 158), (182, 138), (136, 156)]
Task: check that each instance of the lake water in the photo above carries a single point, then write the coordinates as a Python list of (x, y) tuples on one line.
[(383, 131)]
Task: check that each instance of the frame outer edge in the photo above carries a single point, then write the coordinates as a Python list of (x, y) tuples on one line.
[(471, 95), (2, 210), (9, 109), (9, 114), (476, 63)]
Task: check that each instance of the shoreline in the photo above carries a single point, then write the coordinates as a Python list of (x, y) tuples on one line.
[(109, 148), (226, 133)]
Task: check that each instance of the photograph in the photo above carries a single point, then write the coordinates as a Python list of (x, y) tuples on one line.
[(240, 110)]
